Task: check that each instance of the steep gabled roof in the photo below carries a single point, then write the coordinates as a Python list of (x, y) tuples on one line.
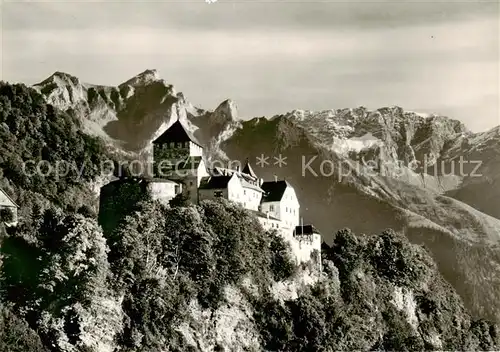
[(177, 133), (274, 190), (5, 200), (215, 182), (137, 180), (248, 170)]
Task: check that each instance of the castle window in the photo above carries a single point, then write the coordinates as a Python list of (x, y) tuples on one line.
[(172, 144), (271, 207), (218, 193)]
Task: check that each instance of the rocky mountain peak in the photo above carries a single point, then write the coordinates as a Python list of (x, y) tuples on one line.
[(60, 76), (62, 90), (144, 78), (226, 111), (129, 113)]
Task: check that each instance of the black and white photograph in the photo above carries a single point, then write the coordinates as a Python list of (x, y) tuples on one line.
[(249, 175)]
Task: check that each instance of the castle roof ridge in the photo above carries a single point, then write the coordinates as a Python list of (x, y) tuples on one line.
[(177, 133)]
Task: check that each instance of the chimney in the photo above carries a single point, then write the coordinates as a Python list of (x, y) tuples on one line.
[(238, 168), (261, 181), (275, 178)]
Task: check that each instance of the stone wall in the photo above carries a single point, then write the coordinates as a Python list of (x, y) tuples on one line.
[(269, 223), (307, 244), (165, 156), (303, 246), (163, 191)]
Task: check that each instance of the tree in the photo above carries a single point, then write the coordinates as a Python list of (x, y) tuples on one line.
[(180, 200), (6, 215), (58, 279), (282, 262), (34, 133), (16, 335)]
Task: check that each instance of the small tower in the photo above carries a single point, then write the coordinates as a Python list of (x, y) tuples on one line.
[(247, 169)]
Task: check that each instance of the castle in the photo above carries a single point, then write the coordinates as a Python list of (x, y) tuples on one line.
[(179, 167)]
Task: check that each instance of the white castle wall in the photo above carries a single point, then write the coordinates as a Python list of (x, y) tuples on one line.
[(290, 209), (163, 191), (302, 246), (251, 198), (305, 245), (269, 224), (195, 150)]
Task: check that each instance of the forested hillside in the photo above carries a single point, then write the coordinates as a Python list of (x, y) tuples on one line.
[(209, 278), (43, 154), (195, 278)]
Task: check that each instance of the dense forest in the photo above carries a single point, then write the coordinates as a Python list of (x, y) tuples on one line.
[(44, 157), (195, 278)]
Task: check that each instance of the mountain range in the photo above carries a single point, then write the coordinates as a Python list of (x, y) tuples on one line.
[(425, 176)]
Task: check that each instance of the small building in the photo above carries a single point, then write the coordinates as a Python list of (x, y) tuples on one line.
[(8, 209), (309, 240), (213, 187), (281, 202), (306, 232), (239, 186)]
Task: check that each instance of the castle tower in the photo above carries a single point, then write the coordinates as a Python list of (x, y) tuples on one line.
[(173, 147), (177, 155)]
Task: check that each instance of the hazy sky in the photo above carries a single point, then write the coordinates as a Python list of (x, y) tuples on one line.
[(272, 56)]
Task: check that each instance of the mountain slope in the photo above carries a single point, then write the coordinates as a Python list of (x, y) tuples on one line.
[(367, 200), (129, 114), (207, 277), (366, 170), (481, 189), (44, 155)]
